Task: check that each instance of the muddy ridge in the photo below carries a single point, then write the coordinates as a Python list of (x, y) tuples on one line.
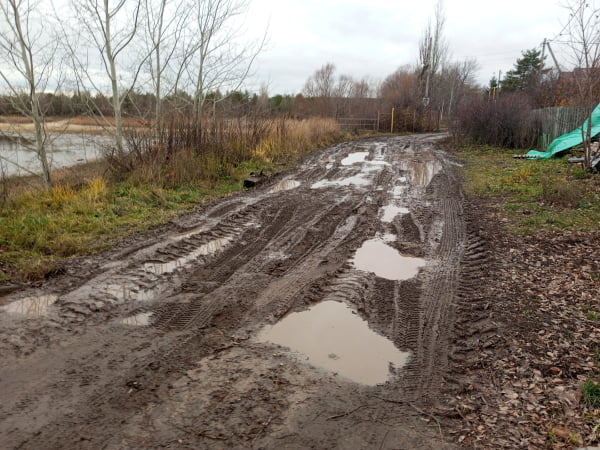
[(164, 341)]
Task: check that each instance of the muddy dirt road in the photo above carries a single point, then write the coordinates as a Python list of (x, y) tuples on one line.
[(171, 340)]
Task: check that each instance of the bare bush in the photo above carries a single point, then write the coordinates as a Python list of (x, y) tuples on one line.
[(503, 122)]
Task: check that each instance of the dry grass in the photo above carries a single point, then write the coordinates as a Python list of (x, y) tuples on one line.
[(71, 125)]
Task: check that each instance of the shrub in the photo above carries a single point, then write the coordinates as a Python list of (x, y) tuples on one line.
[(502, 122)]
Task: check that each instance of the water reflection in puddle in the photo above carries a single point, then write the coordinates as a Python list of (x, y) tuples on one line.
[(421, 172), (125, 292), (160, 268), (356, 180), (284, 186), (189, 233), (391, 211), (354, 158), (31, 306), (141, 319), (385, 261), (336, 339)]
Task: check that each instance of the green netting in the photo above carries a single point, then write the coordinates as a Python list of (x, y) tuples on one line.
[(568, 140)]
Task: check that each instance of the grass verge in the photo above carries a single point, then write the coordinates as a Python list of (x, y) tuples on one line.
[(533, 195)]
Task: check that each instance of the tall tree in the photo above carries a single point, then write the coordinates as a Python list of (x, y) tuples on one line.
[(584, 32), (216, 59), (28, 62), (165, 23), (110, 28), (527, 73), (433, 51)]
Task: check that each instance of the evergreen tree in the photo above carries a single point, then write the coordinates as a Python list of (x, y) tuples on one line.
[(527, 73)]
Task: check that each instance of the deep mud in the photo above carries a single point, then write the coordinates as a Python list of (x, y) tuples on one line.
[(155, 344)]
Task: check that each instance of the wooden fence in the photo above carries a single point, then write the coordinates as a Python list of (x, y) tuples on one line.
[(554, 122)]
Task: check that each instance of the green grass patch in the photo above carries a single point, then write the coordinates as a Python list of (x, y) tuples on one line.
[(591, 394), (40, 229), (535, 195)]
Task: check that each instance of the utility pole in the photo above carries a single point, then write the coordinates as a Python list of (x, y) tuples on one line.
[(552, 54), (428, 77), (543, 51)]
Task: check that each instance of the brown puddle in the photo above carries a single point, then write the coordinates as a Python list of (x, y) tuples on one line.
[(160, 268), (31, 306), (421, 172), (189, 233), (141, 319), (333, 337), (385, 261), (284, 186)]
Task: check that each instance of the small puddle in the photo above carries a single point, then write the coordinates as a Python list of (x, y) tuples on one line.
[(354, 158), (334, 338), (391, 211), (127, 293), (386, 262), (139, 320), (284, 186), (186, 234), (160, 268), (31, 306)]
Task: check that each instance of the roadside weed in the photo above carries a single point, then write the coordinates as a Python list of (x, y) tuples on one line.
[(591, 394), (535, 196)]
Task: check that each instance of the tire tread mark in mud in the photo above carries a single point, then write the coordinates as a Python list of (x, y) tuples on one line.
[(438, 292)]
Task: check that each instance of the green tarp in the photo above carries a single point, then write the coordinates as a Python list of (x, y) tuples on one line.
[(568, 140)]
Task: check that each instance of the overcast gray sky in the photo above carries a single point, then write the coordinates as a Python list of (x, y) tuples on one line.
[(372, 38)]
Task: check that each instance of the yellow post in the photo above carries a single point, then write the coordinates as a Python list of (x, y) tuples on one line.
[(392, 126)]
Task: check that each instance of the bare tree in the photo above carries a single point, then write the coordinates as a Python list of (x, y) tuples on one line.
[(27, 64), (330, 93), (321, 83), (215, 59), (110, 27), (584, 42), (361, 89), (433, 50), (166, 21), (455, 80)]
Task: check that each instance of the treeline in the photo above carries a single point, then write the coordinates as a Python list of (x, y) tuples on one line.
[(143, 105)]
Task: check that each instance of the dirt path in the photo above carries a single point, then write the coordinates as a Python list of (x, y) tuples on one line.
[(157, 343)]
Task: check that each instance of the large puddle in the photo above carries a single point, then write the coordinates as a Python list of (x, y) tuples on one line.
[(364, 178), (385, 261), (354, 158), (391, 211), (333, 337), (421, 172), (357, 180), (31, 306)]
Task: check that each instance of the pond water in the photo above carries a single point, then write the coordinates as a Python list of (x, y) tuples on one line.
[(18, 157)]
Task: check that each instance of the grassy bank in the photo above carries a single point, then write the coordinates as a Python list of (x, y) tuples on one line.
[(88, 211), (533, 195)]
